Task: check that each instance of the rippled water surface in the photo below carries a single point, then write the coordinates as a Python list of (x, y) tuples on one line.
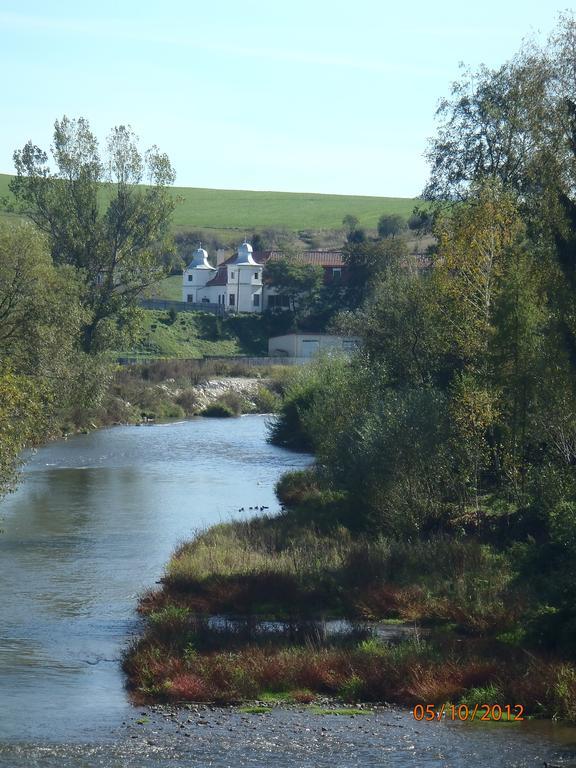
[(89, 529)]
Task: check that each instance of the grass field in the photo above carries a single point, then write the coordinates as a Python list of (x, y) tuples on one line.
[(169, 289), (228, 209)]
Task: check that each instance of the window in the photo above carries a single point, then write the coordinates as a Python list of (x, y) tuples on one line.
[(231, 299), (190, 298), (256, 299), (336, 273), (231, 275), (255, 275), (189, 278), (278, 302)]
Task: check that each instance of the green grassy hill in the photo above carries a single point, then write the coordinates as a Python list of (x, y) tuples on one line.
[(170, 289), (229, 209)]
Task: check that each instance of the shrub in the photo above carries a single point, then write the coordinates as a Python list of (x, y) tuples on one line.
[(352, 689), (234, 401), (302, 696), (218, 411), (169, 622), (188, 401), (488, 694), (266, 401)]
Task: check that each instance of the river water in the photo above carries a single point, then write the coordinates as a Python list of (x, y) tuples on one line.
[(89, 529)]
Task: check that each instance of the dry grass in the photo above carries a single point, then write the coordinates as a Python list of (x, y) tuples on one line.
[(274, 568), (269, 566), (406, 674)]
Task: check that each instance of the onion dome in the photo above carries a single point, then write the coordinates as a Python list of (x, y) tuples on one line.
[(245, 255), (200, 260)]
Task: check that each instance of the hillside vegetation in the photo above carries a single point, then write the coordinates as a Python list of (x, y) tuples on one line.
[(241, 209), (196, 334)]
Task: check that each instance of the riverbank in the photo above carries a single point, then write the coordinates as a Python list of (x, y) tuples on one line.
[(464, 646), (177, 389)]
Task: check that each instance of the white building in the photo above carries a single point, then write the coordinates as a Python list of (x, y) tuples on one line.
[(235, 285), (311, 344)]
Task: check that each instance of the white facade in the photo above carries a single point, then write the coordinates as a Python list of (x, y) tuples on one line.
[(236, 284), (310, 344), (195, 277)]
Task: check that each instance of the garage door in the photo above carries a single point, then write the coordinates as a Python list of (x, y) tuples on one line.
[(310, 347)]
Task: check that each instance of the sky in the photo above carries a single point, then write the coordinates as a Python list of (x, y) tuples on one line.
[(300, 96)]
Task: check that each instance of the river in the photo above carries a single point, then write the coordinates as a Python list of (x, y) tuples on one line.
[(89, 529)]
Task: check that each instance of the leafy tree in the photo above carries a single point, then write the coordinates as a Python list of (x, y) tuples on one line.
[(98, 218), (421, 221), (351, 223), (22, 422), (356, 236), (367, 261), (390, 225), (402, 328), (474, 241), (490, 127), (42, 371), (299, 282), (40, 312)]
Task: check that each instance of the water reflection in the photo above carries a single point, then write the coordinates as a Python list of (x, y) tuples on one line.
[(90, 528)]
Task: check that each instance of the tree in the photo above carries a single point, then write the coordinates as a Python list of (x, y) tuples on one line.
[(490, 127), (41, 369), (98, 217), (350, 222), (367, 260), (22, 422), (390, 225), (40, 312), (475, 241), (421, 221), (299, 282)]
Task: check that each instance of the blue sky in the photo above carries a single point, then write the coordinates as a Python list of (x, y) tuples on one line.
[(309, 96)]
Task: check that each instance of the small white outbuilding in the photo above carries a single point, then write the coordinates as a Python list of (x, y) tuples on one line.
[(310, 344)]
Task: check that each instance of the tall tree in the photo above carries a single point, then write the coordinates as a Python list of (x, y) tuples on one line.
[(41, 368), (390, 225), (367, 261), (299, 282), (98, 217)]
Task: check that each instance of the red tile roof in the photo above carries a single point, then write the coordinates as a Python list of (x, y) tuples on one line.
[(323, 258), (218, 279)]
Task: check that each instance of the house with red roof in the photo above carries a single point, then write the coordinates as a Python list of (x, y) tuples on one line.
[(239, 283)]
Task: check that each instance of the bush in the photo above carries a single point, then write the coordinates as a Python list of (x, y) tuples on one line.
[(188, 400), (390, 225), (266, 401), (169, 410), (234, 401), (218, 411)]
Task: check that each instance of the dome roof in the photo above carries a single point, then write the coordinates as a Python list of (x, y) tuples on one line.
[(200, 260), (245, 255)]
